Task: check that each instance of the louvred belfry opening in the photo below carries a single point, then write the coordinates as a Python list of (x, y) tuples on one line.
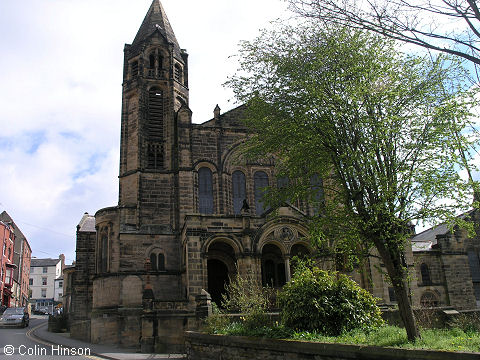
[(155, 129)]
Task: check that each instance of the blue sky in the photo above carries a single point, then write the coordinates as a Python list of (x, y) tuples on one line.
[(60, 98)]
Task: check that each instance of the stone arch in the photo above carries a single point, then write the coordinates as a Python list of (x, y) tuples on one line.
[(270, 231), (229, 239), (273, 265), (221, 267)]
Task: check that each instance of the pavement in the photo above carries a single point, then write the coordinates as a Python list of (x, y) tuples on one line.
[(41, 333)]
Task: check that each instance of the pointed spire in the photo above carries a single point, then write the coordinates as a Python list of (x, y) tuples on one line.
[(156, 20)]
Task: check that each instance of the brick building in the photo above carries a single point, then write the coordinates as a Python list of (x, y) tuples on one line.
[(7, 266), (21, 258), (190, 211)]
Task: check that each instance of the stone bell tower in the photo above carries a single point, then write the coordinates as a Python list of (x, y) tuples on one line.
[(155, 87)]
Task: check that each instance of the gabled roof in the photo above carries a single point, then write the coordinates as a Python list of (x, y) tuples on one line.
[(156, 20), (44, 262), (5, 217)]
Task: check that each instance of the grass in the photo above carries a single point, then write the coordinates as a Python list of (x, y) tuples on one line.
[(454, 339)]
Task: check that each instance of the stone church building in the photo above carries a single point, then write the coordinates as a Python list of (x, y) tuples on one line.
[(189, 213)]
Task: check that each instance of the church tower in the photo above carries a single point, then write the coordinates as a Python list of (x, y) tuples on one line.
[(155, 87)]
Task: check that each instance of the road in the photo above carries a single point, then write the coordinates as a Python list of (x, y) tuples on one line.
[(17, 343)]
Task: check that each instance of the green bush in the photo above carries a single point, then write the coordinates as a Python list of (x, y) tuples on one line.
[(329, 303)]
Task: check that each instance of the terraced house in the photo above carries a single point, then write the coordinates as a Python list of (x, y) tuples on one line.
[(190, 212)]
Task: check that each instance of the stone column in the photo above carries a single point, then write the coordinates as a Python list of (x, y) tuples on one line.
[(288, 276)]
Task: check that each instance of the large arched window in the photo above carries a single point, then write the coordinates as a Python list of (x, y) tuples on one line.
[(260, 183), (238, 190), (205, 191), (426, 280), (318, 196)]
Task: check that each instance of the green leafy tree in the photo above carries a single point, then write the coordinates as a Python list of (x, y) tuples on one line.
[(385, 132)]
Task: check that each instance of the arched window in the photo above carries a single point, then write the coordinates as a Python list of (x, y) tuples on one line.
[(238, 190), (205, 191), (318, 198), (426, 280), (260, 183), (157, 261), (134, 69), (429, 299), (151, 61)]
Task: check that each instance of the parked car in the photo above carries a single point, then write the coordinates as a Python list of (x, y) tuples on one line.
[(15, 316)]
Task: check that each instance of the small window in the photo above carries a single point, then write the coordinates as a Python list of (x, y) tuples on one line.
[(60, 284), (44, 281), (205, 191), (60, 295), (44, 293), (429, 299), (157, 261), (391, 295), (318, 196), (160, 63), (30, 281), (45, 270)]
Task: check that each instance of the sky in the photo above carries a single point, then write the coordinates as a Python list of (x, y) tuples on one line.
[(61, 69), (60, 98)]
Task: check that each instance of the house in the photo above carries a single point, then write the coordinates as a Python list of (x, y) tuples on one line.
[(44, 274)]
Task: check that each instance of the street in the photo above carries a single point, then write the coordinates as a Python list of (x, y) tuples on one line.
[(19, 343)]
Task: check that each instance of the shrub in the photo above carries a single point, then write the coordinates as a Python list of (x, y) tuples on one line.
[(246, 296), (329, 303)]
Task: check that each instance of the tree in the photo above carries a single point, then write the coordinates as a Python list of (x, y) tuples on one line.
[(385, 132), (449, 26)]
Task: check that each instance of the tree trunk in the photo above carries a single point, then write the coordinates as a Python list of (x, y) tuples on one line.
[(398, 273)]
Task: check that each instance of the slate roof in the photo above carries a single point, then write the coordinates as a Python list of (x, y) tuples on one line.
[(44, 262), (156, 20), (425, 240), (87, 223)]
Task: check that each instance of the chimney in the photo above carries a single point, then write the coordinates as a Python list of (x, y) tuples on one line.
[(62, 257)]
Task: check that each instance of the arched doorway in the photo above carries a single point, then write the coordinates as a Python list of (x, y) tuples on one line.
[(273, 266), (221, 266), (217, 279)]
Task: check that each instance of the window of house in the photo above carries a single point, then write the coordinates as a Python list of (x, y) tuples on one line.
[(60, 284), (391, 295), (238, 190), (260, 179), (205, 191), (30, 281), (44, 293), (151, 61), (44, 281), (425, 272), (45, 270)]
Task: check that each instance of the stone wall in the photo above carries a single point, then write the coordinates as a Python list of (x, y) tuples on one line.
[(212, 347)]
